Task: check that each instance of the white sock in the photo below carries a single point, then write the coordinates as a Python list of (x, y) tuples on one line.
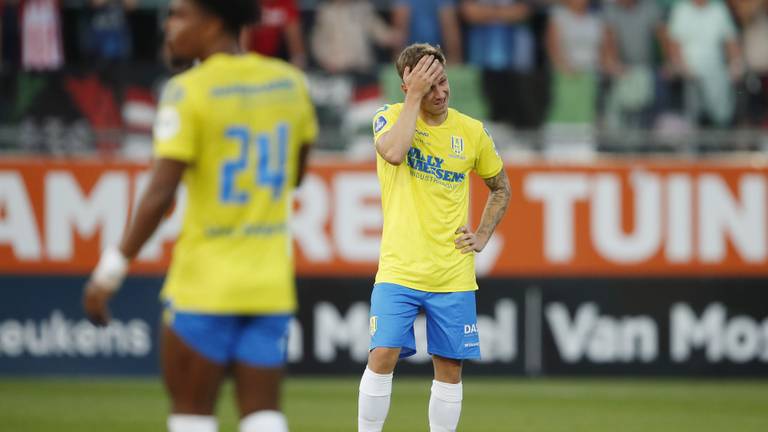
[(373, 402), (191, 423), (444, 407), (264, 421)]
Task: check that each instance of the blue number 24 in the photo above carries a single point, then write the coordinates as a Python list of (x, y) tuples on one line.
[(270, 165)]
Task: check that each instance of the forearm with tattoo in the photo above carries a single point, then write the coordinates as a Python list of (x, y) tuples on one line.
[(497, 204)]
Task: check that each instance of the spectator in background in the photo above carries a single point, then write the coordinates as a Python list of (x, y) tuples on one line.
[(632, 28), (41, 44), (501, 44), (699, 32), (576, 46), (343, 34), (753, 18), (278, 33), (109, 36), (435, 22), (575, 38)]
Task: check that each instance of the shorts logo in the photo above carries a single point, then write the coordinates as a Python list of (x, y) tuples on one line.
[(470, 329), (457, 145), (373, 325), (379, 125)]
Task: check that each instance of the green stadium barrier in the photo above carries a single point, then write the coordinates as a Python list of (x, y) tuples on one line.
[(573, 98)]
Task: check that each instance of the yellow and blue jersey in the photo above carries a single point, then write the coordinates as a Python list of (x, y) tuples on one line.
[(238, 122), (426, 199)]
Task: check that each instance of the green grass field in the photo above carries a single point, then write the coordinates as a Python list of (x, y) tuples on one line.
[(329, 404)]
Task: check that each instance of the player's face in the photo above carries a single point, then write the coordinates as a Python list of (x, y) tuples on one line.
[(436, 101), (185, 30)]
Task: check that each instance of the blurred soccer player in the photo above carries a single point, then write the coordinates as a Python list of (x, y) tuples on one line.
[(236, 128), (425, 153)]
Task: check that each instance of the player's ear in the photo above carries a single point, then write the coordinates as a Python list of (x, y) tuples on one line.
[(403, 88)]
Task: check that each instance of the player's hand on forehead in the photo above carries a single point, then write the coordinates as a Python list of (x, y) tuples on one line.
[(421, 66), (435, 70), (426, 72), (426, 62)]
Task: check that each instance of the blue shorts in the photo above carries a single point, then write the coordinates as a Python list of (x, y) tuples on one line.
[(451, 321), (256, 340)]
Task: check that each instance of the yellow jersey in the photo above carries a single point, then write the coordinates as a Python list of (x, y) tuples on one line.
[(425, 200), (238, 122)]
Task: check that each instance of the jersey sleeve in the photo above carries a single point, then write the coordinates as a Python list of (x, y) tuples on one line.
[(308, 128), (175, 130), (383, 121), (488, 163)]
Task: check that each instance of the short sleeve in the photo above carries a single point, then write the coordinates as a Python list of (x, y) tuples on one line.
[(383, 121), (488, 163), (446, 3), (308, 128), (175, 130)]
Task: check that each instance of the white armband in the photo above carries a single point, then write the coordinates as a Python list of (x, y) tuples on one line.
[(111, 269)]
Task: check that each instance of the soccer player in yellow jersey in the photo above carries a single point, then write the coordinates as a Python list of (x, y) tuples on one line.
[(425, 152), (235, 128)]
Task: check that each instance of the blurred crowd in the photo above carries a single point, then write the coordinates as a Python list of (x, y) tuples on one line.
[(645, 64)]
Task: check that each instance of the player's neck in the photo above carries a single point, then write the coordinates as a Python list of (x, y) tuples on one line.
[(222, 46), (433, 119)]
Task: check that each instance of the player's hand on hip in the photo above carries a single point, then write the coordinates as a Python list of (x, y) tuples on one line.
[(419, 80), (468, 241), (95, 303)]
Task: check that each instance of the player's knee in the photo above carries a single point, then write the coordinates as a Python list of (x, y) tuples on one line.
[(383, 360)]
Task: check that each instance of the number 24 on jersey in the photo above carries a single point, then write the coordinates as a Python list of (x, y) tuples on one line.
[(270, 162)]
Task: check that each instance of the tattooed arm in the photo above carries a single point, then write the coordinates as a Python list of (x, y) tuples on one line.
[(497, 204)]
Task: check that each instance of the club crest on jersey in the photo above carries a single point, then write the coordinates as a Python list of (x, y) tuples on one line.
[(379, 125), (373, 325), (457, 145)]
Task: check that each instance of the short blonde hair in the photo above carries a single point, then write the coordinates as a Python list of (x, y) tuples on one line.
[(413, 53)]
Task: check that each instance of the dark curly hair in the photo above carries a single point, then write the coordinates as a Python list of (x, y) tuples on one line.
[(235, 14)]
